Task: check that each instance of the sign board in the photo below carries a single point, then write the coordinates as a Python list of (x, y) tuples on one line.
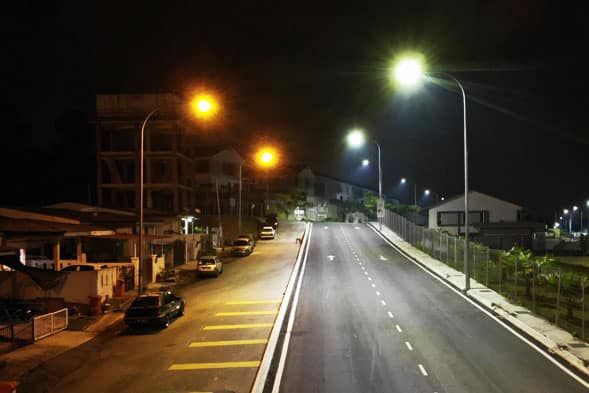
[(380, 208), (299, 214)]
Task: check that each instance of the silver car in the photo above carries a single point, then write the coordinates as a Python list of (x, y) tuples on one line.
[(209, 266)]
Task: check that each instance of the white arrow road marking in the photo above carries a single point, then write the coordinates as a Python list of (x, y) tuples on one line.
[(326, 228), (383, 258), (356, 227), (331, 257)]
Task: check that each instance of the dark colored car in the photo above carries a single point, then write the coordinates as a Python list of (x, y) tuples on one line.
[(155, 309), (272, 220)]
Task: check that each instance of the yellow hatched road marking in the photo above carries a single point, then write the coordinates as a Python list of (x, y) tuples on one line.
[(237, 326), (225, 343), (274, 301), (205, 366), (238, 313)]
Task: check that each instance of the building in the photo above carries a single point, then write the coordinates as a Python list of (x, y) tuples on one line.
[(483, 209), (168, 152)]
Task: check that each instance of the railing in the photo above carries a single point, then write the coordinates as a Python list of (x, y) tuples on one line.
[(51, 323), (6, 332), (555, 292)]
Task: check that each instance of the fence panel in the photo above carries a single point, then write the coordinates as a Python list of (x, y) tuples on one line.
[(51, 323)]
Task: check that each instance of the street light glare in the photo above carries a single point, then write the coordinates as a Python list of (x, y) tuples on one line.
[(566, 211), (575, 208), (427, 192), (356, 138), (204, 106), (403, 181), (266, 157), (365, 162), (408, 72)]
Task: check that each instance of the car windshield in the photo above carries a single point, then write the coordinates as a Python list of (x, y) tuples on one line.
[(146, 301), (268, 229), (240, 243), (206, 261)]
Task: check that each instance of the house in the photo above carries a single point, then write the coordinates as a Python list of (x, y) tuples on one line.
[(483, 209)]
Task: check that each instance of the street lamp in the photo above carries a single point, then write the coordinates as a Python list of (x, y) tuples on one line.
[(365, 162), (356, 138), (409, 72), (266, 158), (203, 106)]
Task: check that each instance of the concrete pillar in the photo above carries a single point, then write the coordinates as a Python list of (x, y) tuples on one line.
[(79, 256), (135, 262), (56, 256), (153, 267)]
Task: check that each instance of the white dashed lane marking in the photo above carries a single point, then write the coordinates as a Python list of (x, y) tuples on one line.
[(383, 302), (373, 285), (422, 369), (390, 315), (399, 328), (377, 293), (409, 347)]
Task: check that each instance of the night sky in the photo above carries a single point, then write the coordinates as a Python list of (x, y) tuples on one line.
[(303, 74)]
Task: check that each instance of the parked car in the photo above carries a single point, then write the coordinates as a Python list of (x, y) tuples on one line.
[(241, 247), (250, 237), (209, 265), (156, 309), (267, 233)]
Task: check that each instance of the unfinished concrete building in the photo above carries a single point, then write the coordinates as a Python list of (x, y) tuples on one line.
[(168, 152)]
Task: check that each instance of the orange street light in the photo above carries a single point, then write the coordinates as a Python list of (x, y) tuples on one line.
[(266, 157), (204, 106)]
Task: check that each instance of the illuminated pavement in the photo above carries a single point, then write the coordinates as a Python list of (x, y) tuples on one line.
[(368, 320), (215, 347)]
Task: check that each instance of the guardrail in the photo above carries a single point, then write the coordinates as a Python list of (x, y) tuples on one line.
[(51, 323)]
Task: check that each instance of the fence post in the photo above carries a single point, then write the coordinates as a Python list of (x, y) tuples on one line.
[(500, 273), (583, 281), (474, 262), (487, 270), (558, 298), (534, 286), (515, 281), (455, 254)]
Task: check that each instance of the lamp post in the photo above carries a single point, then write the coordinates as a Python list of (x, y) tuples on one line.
[(266, 158), (203, 106), (356, 138), (410, 72)]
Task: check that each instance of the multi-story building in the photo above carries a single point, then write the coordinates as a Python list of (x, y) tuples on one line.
[(168, 151)]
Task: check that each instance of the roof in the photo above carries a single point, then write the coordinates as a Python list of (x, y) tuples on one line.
[(470, 193)]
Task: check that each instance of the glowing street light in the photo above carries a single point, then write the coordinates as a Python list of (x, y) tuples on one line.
[(266, 158), (408, 72), (204, 106), (427, 192), (365, 162), (565, 211), (356, 138), (403, 181)]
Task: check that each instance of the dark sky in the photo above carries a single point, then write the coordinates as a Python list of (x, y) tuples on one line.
[(302, 75)]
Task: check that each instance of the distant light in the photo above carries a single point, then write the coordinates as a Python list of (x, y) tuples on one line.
[(561, 217), (356, 138), (442, 198), (566, 211), (365, 162), (204, 106), (587, 203), (266, 157), (403, 181), (556, 225), (426, 192), (575, 208)]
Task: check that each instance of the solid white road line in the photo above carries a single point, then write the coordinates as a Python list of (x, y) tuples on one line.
[(282, 361), (488, 313)]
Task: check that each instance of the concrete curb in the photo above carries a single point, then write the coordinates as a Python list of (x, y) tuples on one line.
[(558, 352)]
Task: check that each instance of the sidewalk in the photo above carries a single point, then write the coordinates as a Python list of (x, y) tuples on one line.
[(15, 364), (554, 340)]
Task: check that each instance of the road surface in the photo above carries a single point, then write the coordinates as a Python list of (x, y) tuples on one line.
[(369, 320)]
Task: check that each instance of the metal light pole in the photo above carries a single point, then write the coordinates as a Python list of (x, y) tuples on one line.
[(239, 202), (379, 186), (140, 287), (466, 211)]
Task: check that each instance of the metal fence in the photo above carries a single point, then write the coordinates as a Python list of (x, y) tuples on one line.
[(554, 292), (51, 323)]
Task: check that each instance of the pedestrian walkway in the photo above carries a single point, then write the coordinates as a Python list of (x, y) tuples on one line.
[(554, 340)]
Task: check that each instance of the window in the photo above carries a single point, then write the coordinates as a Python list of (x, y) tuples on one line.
[(228, 169), (456, 218), (319, 189)]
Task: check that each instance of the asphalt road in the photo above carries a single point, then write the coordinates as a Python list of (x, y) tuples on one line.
[(369, 320), (215, 347)]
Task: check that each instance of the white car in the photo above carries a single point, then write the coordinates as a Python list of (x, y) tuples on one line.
[(267, 233), (209, 265)]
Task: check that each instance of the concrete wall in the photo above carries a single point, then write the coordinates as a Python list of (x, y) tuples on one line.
[(499, 210), (76, 287)]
